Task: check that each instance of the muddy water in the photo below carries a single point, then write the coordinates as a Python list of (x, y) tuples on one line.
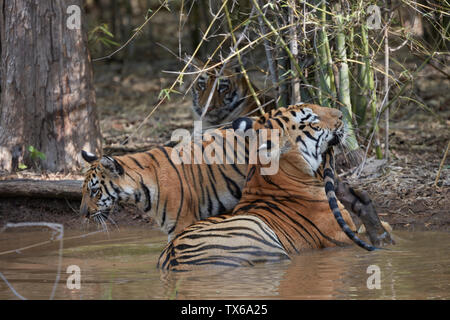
[(121, 265)]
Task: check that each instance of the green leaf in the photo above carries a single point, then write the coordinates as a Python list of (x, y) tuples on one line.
[(105, 30), (102, 40), (41, 155), (149, 12), (164, 93), (22, 166), (289, 72), (109, 41), (35, 153)]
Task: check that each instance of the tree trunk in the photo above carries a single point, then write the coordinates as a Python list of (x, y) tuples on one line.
[(47, 98), (53, 189)]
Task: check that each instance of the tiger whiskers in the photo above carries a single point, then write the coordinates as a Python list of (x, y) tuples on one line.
[(108, 217), (85, 224), (99, 218), (102, 218), (113, 222)]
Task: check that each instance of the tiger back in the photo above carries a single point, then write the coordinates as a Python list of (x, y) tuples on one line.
[(171, 191)]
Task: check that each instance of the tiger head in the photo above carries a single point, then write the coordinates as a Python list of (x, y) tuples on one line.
[(304, 130), (105, 185), (229, 93)]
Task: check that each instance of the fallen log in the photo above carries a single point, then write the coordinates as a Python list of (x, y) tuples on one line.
[(56, 189)]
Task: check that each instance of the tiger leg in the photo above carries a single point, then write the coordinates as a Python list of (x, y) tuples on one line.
[(359, 203)]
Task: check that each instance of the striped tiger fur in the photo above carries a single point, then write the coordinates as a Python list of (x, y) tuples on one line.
[(278, 215), (230, 100), (174, 195)]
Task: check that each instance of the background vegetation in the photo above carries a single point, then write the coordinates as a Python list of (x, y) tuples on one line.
[(352, 55)]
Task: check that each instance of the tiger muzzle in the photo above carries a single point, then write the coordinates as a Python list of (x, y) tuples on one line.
[(335, 140)]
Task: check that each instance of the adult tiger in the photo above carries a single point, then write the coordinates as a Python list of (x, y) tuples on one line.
[(175, 194), (278, 215), (230, 100)]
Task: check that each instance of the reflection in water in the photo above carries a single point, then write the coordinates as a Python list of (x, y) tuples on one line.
[(123, 266)]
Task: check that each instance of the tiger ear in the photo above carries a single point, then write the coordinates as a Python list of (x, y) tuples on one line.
[(243, 124), (88, 157), (195, 65), (111, 164)]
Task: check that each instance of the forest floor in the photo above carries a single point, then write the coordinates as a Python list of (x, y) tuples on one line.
[(403, 190)]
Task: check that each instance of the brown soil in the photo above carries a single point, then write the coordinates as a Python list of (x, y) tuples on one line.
[(403, 190)]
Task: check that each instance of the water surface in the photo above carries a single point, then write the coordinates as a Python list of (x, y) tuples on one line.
[(122, 265)]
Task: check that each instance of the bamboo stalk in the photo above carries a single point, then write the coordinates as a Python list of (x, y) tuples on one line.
[(370, 90), (325, 72), (295, 85), (386, 80), (344, 83), (323, 78), (361, 84), (244, 72)]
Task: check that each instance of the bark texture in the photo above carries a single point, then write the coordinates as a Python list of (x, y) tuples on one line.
[(47, 97)]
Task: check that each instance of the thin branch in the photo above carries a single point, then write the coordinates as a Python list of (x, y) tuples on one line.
[(284, 45), (244, 72), (138, 30), (295, 85), (272, 70), (180, 76)]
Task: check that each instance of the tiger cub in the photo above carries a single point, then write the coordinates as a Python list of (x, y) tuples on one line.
[(230, 100)]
